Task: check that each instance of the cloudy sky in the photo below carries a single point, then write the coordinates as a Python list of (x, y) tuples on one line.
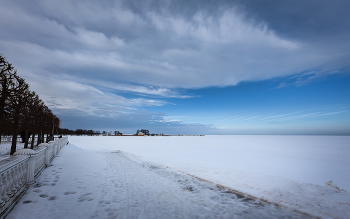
[(185, 67)]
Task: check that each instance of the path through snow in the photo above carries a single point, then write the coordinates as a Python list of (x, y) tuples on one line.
[(85, 184)]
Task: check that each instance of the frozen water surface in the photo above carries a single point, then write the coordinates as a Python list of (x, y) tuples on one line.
[(140, 190), (148, 178), (123, 188)]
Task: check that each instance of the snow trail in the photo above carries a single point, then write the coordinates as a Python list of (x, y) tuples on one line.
[(141, 190), (86, 184)]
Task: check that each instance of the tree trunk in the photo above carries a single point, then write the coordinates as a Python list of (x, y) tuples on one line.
[(14, 136), (26, 139), (33, 139), (14, 142), (1, 119), (39, 139), (2, 106)]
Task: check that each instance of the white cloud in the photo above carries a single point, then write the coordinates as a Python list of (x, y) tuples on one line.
[(167, 51), (66, 94), (227, 49), (230, 28), (287, 117), (98, 49), (143, 90), (97, 40)]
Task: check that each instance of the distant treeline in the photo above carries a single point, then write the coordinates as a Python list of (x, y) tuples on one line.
[(21, 110), (86, 132), (78, 132)]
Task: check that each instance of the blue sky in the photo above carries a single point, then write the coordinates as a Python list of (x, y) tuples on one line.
[(186, 67), (320, 106)]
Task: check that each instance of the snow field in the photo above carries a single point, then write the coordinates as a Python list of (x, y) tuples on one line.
[(65, 189), (5, 149), (290, 171), (85, 184)]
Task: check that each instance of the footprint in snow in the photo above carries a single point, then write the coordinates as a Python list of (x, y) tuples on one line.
[(53, 198), (39, 185), (69, 193), (44, 195), (85, 197)]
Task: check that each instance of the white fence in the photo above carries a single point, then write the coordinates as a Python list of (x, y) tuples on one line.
[(9, 138), (19, 171), (19, 139)]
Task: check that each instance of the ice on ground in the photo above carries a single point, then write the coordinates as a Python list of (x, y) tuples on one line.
[(309, 174), (287, 170), (85, 184)]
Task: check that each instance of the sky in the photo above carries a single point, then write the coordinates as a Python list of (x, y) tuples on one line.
[(185, 66)]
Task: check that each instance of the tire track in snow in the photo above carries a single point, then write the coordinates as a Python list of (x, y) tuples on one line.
[(141, 190)]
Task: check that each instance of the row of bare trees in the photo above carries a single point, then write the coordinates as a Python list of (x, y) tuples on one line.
[(65, 131), (21, 110)]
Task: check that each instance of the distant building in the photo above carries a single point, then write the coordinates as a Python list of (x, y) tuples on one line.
[(144, 131), (140, 133), (117, 133)]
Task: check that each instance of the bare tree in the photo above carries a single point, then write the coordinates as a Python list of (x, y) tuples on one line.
[(36, 104), (7, 75), (21, 109), (37, 120), (16, 106), (26, 118)]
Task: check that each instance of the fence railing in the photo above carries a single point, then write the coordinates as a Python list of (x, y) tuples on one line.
[(19, 171), (9, 139), (19, 139)]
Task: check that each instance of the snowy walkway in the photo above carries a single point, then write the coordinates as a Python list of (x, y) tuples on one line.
[(85, 184)]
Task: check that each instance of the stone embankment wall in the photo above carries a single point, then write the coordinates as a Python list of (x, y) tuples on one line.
[(19, 171)]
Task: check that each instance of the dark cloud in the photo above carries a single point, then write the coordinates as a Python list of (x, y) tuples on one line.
[(179, 44), (86, 53), (302, 19)]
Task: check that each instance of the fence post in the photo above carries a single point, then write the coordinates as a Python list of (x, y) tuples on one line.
[(47, 153), (54, 147), (30, 164)]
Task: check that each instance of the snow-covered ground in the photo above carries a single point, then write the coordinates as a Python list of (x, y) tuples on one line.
[(85, 184), (5, 149), (290, 171), (287, 170)]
